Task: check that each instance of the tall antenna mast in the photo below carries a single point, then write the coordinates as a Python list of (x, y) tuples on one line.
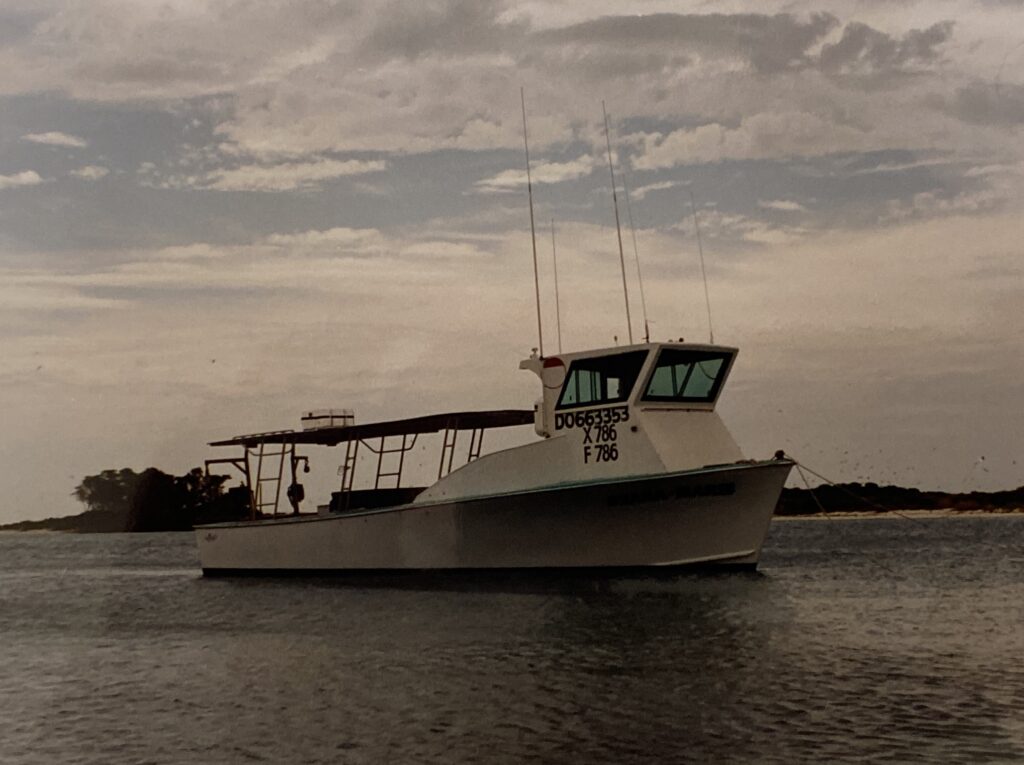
[(558, 312), (636, 254), (533, 230), (618, 227), (700, 249)]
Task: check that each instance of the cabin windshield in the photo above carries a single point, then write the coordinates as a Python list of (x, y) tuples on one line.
[(687, 376), (601, 380)]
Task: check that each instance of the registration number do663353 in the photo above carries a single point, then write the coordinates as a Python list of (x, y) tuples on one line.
[(600, 437)]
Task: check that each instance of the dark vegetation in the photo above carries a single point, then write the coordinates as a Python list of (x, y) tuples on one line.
[(123, 500), (869, 497)]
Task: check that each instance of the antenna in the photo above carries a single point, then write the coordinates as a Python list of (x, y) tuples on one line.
[(533, 230), (558, 312), (618, 228), (700, 249), (636, 253)]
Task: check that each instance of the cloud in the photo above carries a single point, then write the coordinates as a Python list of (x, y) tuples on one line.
[(655, 70), (288, 176), (734, 229), (150, 69), (783, 205), (770, 44), (90, 172), (441, 249), (546, 172), (54, 138), (311, 261), (27, 294), (366, 240), (933, 204), (760, 136), (302, 80), (900, 167), (198, 250), (1001, 169), (867, 51), (364, 243), (643, 191), (447, 28), (984, 103), (116, 50), (18, 180)]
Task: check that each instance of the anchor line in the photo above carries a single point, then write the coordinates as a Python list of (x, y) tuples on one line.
[(800, 466)]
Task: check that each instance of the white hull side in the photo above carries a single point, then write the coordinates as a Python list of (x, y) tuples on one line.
[(711, 516)]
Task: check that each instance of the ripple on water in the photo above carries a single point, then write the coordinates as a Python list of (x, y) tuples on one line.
[(904, 649)]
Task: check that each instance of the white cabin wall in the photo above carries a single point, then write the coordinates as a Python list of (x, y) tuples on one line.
[(566, 457), (686, 440), (523, 466)]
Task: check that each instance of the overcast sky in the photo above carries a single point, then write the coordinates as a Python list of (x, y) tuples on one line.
[(216, 214)]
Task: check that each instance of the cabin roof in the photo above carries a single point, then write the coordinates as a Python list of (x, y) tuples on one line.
[(431, 423), (653, 345)]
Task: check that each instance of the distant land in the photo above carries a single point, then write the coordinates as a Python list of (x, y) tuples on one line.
[(832, 498), (870, 497), (123, 500)]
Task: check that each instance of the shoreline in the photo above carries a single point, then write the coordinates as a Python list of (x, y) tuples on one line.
[(901, 514), (857, 515)]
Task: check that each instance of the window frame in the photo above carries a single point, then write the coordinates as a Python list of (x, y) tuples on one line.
[(691, 356), (625, 390)]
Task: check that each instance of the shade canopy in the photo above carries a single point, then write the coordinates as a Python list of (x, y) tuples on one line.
[(431, 423)]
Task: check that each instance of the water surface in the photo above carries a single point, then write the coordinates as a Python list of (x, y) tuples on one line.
[(859, 640)]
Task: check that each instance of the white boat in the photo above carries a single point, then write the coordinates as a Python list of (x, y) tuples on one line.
[(632, 469)]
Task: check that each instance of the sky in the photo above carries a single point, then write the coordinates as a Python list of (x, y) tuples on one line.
[(214, 215)]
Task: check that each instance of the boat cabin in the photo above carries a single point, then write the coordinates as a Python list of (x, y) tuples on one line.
[(673, 376)]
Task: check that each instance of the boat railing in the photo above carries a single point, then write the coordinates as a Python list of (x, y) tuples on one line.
[(266, 456)]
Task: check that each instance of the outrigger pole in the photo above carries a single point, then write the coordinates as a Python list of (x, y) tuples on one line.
[(618, 227), (700, 249), (533, 230), (558, 311), (636, 254)]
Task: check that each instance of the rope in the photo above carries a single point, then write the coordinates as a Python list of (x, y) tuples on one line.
[(801, 467)]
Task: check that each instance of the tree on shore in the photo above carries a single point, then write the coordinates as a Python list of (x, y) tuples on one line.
[(156, 501), (109, 492)]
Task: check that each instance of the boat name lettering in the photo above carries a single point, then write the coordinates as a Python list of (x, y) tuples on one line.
[(680, 492), (609, 415)]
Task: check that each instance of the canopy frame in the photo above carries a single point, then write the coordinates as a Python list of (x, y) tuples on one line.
[(267, 456)]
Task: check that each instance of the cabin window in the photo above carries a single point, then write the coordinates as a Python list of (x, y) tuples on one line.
[(687, 376), (601, 380)]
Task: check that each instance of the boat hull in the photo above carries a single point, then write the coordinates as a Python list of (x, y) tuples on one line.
[(714, 517)]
